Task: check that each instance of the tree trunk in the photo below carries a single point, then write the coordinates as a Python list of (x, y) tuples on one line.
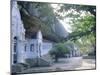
[(56, 59)]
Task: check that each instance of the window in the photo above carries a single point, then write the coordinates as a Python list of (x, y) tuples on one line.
[(15, 44), (15, 47), (15, 58), (32, 47), (15, 50), (40, 49), (25, 48)]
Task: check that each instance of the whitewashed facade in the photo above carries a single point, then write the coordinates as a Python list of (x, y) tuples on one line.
[(17, 34), (22, 48)]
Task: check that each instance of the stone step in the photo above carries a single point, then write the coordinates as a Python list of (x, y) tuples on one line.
[(46, 59)]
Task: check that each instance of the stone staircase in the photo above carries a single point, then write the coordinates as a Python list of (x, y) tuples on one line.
[(45, 60)]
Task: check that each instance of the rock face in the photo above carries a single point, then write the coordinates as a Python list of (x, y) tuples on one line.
[(23, 48), (60, 30), (54, 31)]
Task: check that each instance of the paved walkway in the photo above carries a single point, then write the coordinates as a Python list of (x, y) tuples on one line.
[(87, 64), (75, 63)]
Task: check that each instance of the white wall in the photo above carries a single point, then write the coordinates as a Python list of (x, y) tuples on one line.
[(28, 53), (18, 31), (46, 47)]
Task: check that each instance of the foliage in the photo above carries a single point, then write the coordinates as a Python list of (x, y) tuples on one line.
[(82, 19), (84, 33), (83, 23), (70, 45), (86, 44), (72, 9), (84, 26), (59, 50)]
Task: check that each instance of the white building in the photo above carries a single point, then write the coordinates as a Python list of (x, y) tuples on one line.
[(22, 48)]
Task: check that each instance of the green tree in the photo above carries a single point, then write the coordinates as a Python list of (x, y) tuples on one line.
[(58, 51), (84, 32), (83, 26)]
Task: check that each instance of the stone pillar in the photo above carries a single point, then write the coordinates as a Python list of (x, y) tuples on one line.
[(39, 47), (39, 43)]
